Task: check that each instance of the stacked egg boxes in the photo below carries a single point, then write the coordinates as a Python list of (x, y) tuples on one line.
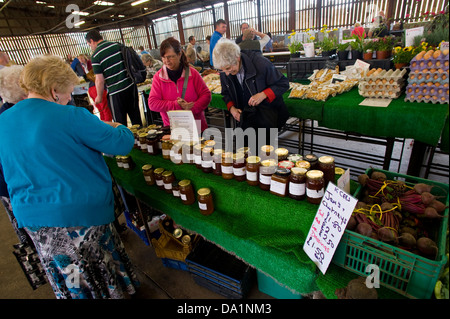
[(428, 79), (379, 83)]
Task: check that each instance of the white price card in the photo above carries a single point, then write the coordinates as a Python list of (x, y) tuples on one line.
[(410, 34), (344, 181), (327, 228), (183, 126)]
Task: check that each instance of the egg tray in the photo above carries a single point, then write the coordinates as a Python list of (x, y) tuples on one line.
[(434, 77), (433, 100), (427, 94), (380, 94), (390, 76), (441, 62), (396, 86)]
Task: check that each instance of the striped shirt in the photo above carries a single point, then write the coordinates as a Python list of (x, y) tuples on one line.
[(107, 60)]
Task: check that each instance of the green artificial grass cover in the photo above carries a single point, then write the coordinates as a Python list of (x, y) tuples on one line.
[(264, 230)]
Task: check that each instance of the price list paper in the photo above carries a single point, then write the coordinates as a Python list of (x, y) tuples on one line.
[(328, 226)]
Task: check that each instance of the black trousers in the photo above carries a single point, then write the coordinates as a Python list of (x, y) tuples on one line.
[(126, 103)]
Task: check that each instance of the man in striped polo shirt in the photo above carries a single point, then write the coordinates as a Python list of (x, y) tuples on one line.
[(109, 68)]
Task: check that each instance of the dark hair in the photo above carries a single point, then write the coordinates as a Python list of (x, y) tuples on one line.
[(93, 35), (220, 21), (208, 37), (191, 38), (172, 43)]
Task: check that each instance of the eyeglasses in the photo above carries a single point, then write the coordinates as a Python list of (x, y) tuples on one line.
[(170, 57)]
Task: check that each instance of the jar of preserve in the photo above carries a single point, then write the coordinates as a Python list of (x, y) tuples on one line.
[(286, 164), (281, 153), (159, 135), (217, 162), (176, 188), (152, 144), (158, 177), (303, 164), (186, 192), (266, 170), (119, 161), (266, 151), (198, 148), (327, 166), (314, 186), (207, 159), (205, 201), (239, 167), (245, 150), (252, 170), (188, 152), (176, 152), (128, 163), (279, 182), (166, 146), (149, 176), (227, 165), (143, 142), (168, 178), (312, 159), (297, 183), (339, 171), (136, 137), (209, 143), (294, 158)]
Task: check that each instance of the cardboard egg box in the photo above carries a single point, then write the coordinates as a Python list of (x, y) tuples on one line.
[(390, 76), (428, 77), (382, 84), (423, 64), (427, 94)]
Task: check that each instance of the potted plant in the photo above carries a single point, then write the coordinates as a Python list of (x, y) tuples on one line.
[(342, 50), (384, 47), (308, 45), (357, 47), (402, 56), (294, 46), (328, 46), (368, 50)]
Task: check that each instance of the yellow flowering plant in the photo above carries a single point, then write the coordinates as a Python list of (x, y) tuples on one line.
[(309, 35), (294, 45), (406, 54)]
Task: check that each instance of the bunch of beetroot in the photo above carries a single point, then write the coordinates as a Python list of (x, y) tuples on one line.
[(397, 214)]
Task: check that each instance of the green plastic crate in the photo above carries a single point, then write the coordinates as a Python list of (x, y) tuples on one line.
[(406, 273), (270, 287)]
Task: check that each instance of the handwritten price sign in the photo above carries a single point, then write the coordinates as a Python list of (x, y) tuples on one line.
[(328, 226)]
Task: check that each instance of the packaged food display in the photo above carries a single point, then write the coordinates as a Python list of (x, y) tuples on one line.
[(428, 79)]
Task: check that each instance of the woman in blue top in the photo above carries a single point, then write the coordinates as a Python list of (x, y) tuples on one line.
[(60, 186)]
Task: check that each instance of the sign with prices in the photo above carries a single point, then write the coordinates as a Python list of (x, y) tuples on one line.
[(329, 224)]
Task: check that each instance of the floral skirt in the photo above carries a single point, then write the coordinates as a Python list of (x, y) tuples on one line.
[(85, 262)]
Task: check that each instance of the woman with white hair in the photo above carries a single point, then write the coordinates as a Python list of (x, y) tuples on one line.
[(252, 87), (11, 93)]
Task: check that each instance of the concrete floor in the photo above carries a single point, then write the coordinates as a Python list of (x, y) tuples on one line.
[(157, 281)]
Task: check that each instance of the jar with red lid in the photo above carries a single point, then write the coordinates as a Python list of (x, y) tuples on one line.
[(286, 164)]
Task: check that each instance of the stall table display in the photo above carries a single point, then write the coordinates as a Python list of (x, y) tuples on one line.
[(253, 225)]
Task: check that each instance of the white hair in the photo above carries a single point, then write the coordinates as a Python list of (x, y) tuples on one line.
[(226, 53), (10, 89)]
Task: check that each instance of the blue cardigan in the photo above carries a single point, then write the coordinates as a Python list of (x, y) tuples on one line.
[(51, 156)]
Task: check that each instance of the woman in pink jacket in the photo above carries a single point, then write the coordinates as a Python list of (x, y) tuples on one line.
[(167, 85)]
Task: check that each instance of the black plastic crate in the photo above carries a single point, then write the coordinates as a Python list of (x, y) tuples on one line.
[(302, 68), (209, 263)]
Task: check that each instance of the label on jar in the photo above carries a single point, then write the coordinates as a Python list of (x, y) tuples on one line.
[(239, 171), (198, 159), (176, 193), (207, 164), (177, 157), (183, 196), (168, 186), (189, 157), (166, 152), (214, 165), (126, 165), (312, 193), (265, 179), (159, 182), (277, 187), (150, 148), (252, 176), (143, 146), (202, 206), (120, 164), (227, 169), (138, 143), (148, 178), (297, 189)]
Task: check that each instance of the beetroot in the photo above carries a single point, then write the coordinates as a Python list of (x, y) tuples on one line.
[(439, 206), (407, 240), (427, 247), (421, 187), (409, 230), (362, 179), (364, 229), (431, 212), (387, 234), (427, 198), (351, 225), (378, 176)]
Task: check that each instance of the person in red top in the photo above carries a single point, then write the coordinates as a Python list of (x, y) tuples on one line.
[(167, 85), (359, 31)]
